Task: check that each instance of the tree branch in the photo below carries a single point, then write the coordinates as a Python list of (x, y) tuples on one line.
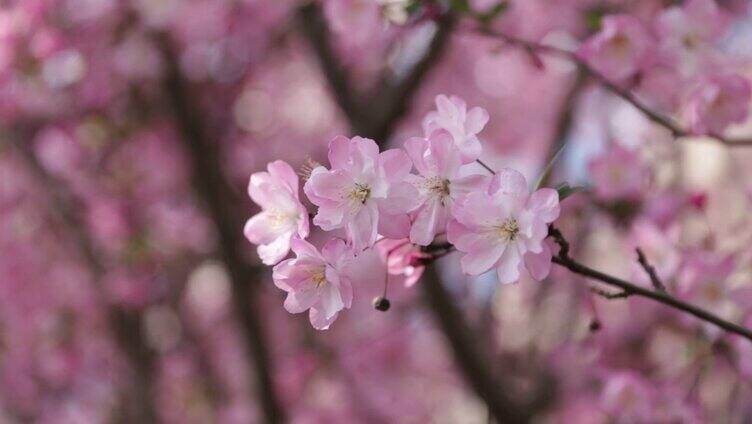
[(627, 95), (650, 270), (217, 194), (468, 357), (563, 259), (371, 116), (125, 324)]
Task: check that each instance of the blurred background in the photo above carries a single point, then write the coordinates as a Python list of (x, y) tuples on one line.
[(128, 294)]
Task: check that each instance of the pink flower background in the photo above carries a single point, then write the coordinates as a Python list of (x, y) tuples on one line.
[(200, 201)]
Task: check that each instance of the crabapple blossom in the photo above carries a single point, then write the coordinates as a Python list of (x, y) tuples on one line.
[(621, 49), (687, 33), (316, 281), (364, 192), (438, 161), (451, 114), (719, 101), (282, 216), (618, 174), (505, 228)]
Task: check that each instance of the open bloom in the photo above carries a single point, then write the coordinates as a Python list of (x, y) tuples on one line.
[(621, 48), (721, 100), (316, 281), (505, 228), (282, 215), (451, 114), (619, 174), (365, 192), (439, 184), (688, 33)]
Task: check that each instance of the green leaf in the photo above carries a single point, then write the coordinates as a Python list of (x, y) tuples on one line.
[(565, 190)]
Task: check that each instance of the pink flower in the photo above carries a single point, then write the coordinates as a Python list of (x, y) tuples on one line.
[(439, 184), (365, 192), (687, 33), (621, 49), (402, 258), (282, 215), (505, 228), (719, 101), (316, 281), (628, 395), (619, 174), (451, 114)]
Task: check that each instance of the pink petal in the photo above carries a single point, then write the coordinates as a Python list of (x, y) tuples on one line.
[(416, 148), (339, 152), (394, 226), (330, 300), (508, 181), (445, 157), (283, 172), (428, 222), (259, 229), (275, 251), (319, 320), (476, 120), (539, 264), (362, 230), (508, 269), (304, 249), (300, 300), (402, 197), (481, 259), (545, 204), (395, 164)]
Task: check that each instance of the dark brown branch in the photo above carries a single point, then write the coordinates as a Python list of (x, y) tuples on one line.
[(371, 116), (627, 95), (217, 195), (125, 324), (650, 270), (563, 259), (469, 358)]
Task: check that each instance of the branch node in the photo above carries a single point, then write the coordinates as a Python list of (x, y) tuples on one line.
[(650, 270)]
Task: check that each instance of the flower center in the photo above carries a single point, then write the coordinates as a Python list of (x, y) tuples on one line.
[(360, 192), (279, 218), (438, 186), (509, 229), (319, 277)]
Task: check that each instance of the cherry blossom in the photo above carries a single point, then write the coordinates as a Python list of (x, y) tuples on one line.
[(438, 161), (619, 174), (504, 228), (451, 114), (316, 281), (364, 192), (402, 258), (719, 101), (622, 48), (282, 216)]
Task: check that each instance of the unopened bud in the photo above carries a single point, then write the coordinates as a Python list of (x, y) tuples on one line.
[(381, 304)]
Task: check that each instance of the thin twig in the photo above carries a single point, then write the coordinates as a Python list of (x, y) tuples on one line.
[(563, 259), (655, 116), (650, 270)]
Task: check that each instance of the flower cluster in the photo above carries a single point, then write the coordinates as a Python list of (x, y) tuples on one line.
[(370, 197)]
